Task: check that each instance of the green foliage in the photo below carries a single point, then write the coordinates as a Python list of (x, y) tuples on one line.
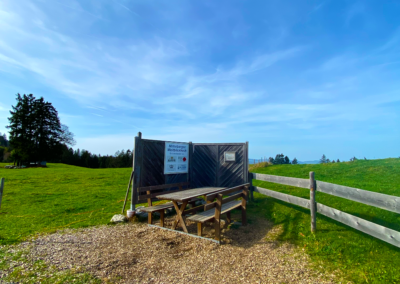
[(84, 158), (280, 159), (362, 258), (36, 133), (294, 162)]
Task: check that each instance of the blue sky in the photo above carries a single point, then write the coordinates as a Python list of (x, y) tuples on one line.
[(304, 78)]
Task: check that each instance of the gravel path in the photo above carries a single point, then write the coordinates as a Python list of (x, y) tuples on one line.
[(136, 253)]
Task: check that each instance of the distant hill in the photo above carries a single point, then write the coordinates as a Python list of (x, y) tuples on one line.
[(308, 162)]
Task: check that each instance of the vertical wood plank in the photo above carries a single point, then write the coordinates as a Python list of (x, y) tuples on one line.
[(137, 162), (217, 217), (228, 217), (1, 190), (150, 218), (190, 173), (217, 168), (149, 202), (199, 229), (246, 162), (162, 218), (251, 186), (313, 204), (244, 201)]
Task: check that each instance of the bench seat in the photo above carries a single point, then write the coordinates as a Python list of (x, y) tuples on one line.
[(209, 214), (167, 205)]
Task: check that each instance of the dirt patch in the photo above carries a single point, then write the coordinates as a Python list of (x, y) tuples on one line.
[(136, 253)]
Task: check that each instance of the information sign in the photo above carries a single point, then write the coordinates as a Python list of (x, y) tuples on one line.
[(230, 156), (176, 158)]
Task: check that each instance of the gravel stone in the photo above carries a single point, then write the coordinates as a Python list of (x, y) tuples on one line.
[(137, 253)]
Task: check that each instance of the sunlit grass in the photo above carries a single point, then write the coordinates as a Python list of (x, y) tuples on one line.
[(361, 257)]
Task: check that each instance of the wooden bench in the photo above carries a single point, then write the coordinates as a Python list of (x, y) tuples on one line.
[(214, 210), (153, 191)]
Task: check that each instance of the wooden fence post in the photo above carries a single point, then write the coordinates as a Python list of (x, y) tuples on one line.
[(313, 204), (137, 163), (250, 179), (1, 189)]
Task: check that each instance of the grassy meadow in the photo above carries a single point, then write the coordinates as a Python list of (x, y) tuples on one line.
[(43, 200), (336, 246)]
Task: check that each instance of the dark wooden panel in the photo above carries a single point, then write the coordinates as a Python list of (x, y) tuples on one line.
[(231, 173), (204, 163), (153, 163)]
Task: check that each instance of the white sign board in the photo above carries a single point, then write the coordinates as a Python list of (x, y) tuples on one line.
[(230, 156), (176, 159)]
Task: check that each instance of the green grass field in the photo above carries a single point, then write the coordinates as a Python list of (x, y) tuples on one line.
[(336, 246), (40, 200), (44, 200)]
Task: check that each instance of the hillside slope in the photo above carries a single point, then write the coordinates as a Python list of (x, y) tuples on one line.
[(336, 246)]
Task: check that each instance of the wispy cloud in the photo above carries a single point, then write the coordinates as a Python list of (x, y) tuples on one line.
[(199, 71)]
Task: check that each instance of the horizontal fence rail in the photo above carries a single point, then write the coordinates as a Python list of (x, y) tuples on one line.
[(284, 197), (299, 182), (375, 230), (384, 201)]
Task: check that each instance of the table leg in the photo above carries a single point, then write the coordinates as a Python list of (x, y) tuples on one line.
[(179, 216)]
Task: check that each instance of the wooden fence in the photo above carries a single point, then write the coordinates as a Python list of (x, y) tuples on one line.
[(383, 201)]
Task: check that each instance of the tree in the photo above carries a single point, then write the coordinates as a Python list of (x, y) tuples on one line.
[(294, 162), (36, 133), (333, 161), (337, 161), (287, 160), (271, 160), (323, 159), (3, 140), (328, 161)]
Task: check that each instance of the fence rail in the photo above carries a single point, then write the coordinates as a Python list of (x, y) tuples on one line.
[(284, 197), (384, 201), (299, 182)]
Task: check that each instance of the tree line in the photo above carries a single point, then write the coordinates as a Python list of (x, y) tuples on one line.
[(37, 134), (83, 158), (281, 159)]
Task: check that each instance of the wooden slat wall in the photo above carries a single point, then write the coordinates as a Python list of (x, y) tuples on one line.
[(377, 231), (284, 197), (384, 201)]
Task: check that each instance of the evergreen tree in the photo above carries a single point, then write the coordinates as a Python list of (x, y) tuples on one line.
[(337, 161), (323, 159), (294, 162), (328, 161), (22, 128), (36, 133), (333, 161), (287, 161)]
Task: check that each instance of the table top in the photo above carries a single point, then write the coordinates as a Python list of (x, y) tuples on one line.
[(189, 193)]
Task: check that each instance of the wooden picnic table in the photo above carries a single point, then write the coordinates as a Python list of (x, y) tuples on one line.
[(184, 197)]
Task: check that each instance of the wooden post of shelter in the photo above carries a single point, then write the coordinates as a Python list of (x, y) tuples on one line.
[(1, 189), (313, 204), (137, 158), (250, 180)]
